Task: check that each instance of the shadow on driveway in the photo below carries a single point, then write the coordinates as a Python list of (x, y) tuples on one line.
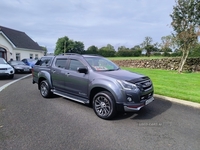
[(157, 107)]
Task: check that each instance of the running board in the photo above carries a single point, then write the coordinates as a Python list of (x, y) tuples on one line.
[(83, 101)]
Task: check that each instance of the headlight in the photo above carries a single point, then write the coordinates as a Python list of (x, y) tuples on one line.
[(126, 85), (18, 67), (10, 68)]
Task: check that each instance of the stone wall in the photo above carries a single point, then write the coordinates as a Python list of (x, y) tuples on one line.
[(191, 65)]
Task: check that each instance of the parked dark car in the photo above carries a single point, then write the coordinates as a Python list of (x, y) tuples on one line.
[(29, 62), (20, 66)]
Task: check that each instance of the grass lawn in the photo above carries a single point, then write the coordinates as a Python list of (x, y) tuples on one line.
[(184, 86)]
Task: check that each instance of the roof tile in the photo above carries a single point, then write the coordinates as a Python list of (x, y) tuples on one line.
[(20, 39)]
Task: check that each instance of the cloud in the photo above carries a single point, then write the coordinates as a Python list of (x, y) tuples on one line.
[(98, 22)]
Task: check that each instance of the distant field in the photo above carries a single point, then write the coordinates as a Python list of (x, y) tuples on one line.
[(184, 86), (125, 58)]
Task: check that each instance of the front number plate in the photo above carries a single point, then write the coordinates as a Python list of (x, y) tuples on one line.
[(149, 101)]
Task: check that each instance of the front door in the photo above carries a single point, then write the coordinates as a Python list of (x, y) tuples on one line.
[(76, 83)]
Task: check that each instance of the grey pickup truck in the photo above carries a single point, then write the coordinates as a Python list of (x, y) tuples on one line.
[(94, 80)]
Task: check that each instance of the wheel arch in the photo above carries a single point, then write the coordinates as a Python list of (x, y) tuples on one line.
[(43, 75), (102, 84), (96, 90)]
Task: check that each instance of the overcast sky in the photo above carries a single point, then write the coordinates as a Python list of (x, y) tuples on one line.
[(93, 22)]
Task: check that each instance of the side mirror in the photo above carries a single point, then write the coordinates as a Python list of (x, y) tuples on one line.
[(82, 70)]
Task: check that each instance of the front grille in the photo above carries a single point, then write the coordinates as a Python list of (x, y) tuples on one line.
[(147, 96), (3, 68), (144, 85)]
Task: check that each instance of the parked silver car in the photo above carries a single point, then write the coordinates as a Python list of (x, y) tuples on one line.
[(5, 69)]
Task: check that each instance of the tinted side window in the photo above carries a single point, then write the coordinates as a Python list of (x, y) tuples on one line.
[(24, 60), (61, 63), (44, 61), (74, 64)]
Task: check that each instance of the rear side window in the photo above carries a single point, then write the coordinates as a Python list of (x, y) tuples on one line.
[(61, 63), (45, 61)]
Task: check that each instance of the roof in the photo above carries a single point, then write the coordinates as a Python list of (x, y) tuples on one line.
[(20, 39)]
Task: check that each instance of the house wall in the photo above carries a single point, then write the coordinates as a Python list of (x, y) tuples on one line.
[(12, 51), (27, 53), (7, 46)]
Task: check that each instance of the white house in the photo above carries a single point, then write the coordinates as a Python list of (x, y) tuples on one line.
[(17, 45)]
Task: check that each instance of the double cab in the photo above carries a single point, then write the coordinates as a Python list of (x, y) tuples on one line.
[(93, 80)]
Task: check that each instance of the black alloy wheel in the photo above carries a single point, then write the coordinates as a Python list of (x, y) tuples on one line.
[(45, 90), (104, 105)]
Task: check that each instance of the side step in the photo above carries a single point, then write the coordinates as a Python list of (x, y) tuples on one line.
[(71, 97)]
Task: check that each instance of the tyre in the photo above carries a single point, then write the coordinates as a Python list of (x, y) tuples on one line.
[(45, 90), (104, 105), (11, 76)]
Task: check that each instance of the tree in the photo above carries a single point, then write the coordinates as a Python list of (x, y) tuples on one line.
[(75, 47), (110, 47), (167, 43), (122, 48), (136, 47), (107, 51), (195, 52), (123, 52), (147, 41), (186, 25), (45, 50), (66, 45), (61, 45), (147, 45), (149, 49), (92, 50)]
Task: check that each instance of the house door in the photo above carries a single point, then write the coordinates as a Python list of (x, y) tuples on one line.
[(3, 53)]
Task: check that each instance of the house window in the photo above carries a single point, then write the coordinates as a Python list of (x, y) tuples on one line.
[(36, 56), (18, 56), (3, 53), (31, 56)]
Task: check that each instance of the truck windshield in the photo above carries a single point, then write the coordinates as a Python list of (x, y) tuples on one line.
[(101, 64)]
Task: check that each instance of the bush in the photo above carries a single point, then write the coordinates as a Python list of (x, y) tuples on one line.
[(157, 54), (176, 54), (166, 54), (136, 53)]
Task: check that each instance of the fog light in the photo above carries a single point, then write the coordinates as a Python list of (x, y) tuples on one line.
[(129, 99)]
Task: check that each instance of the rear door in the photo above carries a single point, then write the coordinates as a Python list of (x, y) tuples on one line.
[(58, 73)]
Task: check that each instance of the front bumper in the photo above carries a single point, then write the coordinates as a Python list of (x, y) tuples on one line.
[(22, 70), (137, 106), (7, 73)]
